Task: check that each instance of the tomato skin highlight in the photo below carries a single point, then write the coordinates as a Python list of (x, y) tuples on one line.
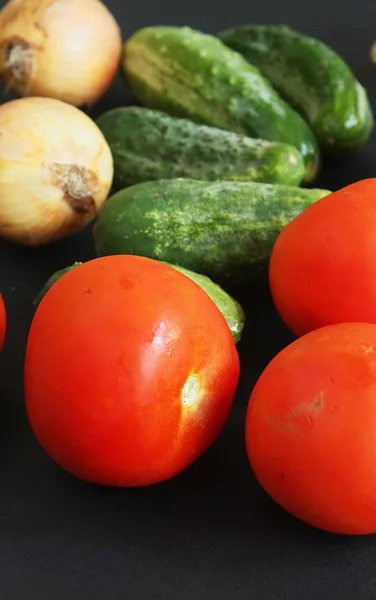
[(3, 322), (322, 267), (311, 428), (130, 371)]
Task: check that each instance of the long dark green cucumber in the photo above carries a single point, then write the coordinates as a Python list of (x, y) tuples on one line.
[(313, 78), (149, 144), (224, 230), (190, 74), (231, 310)]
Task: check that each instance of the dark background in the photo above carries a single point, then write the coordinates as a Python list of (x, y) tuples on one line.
[(211, 533)]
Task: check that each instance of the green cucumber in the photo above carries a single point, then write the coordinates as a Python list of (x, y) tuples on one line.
[(228, 306), (148, 144), (224, 230), (189, 74), (312, 78), (52, 280)]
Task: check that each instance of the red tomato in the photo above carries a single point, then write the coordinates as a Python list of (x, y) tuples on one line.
[(323, 265), (130, 371), (310, 428), (3, 321)]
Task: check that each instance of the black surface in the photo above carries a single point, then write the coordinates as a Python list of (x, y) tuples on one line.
[(211, 533)]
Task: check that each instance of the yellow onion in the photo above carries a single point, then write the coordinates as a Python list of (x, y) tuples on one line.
[(373, 52), (64, 49), (56, 170)]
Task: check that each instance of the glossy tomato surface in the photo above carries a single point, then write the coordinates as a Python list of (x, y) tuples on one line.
[(311, 428), (130, 371), (323, 265), (3, 321)]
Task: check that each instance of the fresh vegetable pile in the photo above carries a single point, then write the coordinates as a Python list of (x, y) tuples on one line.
[(209, 184)]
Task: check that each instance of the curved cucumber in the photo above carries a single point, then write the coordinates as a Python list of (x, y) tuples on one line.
[(189, 74), (313, 78), (228, 306), (52, 280), (149, 144), (224, 230)]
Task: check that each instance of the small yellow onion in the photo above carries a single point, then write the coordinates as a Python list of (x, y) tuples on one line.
[(56, 170), (64, 49)]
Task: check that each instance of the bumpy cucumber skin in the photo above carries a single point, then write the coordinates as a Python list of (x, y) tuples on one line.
[(149, 144), (313, 79), (231, 310), (224, 230), (190, 74)]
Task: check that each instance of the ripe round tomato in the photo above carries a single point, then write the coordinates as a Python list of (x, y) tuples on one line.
[(310, 428), (3, 322), (323, 265), (130, 371)]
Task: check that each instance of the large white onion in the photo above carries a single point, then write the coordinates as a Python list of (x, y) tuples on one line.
[(64, 49), (56, 170)]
